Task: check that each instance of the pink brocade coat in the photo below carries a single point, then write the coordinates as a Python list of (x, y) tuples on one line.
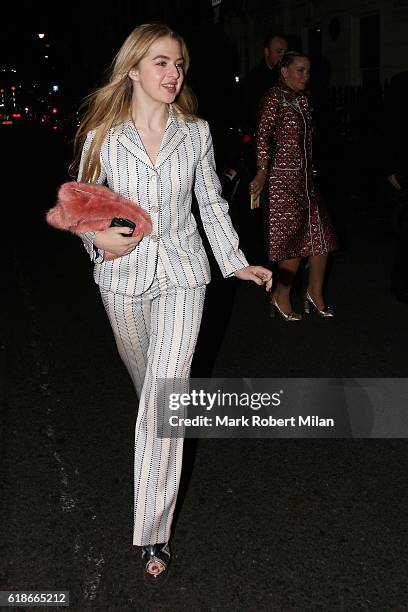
[(297, 223)]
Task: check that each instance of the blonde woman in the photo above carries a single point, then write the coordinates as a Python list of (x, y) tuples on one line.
[(141, 136)]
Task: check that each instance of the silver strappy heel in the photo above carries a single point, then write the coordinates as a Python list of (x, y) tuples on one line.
[(275, 309), (326, 313)]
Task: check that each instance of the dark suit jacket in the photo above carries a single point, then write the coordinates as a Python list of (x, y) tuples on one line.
[(259, 80)]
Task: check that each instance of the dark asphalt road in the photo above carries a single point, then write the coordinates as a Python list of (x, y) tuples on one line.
[(277, 525)]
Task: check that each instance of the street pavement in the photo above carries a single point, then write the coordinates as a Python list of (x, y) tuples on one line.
[(278, 525)]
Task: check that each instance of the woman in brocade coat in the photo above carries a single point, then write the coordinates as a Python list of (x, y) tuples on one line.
[(297, 223)]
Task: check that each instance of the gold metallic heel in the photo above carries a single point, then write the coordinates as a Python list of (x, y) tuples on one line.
[(274, 310), (326, 313)]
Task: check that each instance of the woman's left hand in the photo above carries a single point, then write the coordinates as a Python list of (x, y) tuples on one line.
[(257, 274), (257, 184)]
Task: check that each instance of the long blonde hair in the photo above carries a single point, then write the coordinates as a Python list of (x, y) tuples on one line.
[(109, 105)]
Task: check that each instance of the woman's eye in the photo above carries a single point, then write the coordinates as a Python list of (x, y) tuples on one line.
[(178, 66)]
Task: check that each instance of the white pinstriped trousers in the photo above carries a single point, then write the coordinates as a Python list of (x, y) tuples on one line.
[(156, 334)]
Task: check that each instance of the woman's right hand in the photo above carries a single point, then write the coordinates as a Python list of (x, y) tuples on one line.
[(111, 240), (257, 183)]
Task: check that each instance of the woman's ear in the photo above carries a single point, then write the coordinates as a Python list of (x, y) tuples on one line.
[(133, 74)]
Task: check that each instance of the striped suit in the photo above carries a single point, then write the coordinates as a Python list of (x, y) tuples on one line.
[(154, 296)]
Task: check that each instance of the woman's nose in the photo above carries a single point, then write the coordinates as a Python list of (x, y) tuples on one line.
[(174, 71)]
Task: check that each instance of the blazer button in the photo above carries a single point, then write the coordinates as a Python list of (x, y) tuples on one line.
[(154, 238), (155, 209)]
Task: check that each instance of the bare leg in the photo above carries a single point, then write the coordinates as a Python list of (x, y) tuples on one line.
[(287, 269), (317, 269)]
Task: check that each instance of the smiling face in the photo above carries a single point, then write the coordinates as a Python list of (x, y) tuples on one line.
[(158, 77), (297, 75)]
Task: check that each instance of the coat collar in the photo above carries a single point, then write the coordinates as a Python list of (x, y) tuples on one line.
[(297, 100), (175, 132), (290, 94)]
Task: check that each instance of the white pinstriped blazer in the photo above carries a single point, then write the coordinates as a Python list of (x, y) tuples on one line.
[(185, 162)]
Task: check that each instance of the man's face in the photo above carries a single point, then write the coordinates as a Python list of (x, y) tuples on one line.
[(274, 52)]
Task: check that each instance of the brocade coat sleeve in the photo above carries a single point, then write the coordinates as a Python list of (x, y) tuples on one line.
[(267, 126)]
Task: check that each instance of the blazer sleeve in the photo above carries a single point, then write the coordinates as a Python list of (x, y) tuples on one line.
[(87, 238), (214, 210)]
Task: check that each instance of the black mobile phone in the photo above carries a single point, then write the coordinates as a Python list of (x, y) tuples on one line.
[(120, 222)]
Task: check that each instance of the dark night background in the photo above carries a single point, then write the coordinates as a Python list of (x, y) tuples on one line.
[(84, 37), (285, 525)]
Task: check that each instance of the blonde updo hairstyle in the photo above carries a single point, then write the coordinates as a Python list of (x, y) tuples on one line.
[(109, 105), (289, 58)]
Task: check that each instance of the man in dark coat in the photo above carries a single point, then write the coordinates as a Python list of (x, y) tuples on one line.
[(264, 76)]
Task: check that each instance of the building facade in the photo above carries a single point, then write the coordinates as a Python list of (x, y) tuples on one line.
[(364, 42)]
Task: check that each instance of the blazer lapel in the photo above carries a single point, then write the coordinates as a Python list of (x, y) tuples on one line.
[(173, 136), (131, 140)]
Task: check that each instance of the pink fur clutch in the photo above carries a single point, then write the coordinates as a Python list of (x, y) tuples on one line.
[(84, 207)]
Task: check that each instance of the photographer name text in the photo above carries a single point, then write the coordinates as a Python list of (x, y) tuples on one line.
[(252, 421)]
